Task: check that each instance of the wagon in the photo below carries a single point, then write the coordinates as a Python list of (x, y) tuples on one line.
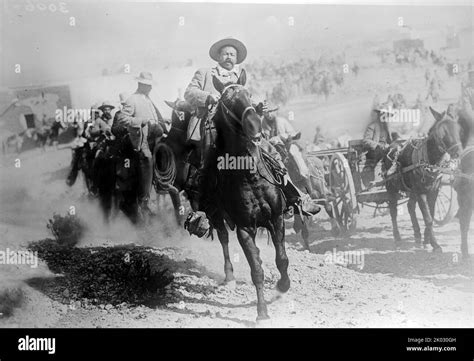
[(343, 175)]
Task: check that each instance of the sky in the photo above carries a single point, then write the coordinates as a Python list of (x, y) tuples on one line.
[(154, 35)]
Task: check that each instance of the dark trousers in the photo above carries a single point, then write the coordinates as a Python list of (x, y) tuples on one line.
[(75, 162), (145, 177)]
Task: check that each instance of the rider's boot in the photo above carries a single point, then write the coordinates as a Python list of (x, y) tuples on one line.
[(302, 201)]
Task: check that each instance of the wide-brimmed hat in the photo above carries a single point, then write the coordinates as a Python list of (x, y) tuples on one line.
[(106, 104), (145, 77), (237, 44)]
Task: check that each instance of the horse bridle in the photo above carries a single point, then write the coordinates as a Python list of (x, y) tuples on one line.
[(441, 146), (230, 112)]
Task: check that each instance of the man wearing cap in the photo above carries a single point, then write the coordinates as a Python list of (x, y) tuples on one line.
[(200, 93), (143, 121), (278, 130), (376, 142), (106, 109), (86, 132)]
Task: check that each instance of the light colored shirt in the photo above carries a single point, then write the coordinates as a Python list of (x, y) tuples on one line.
[(280, 131)]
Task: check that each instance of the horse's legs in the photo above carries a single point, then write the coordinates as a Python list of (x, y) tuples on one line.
[(106, 204), (392, 205), (129, 205), (428, 234), (411, 205), (281, 259), (464, 215), (431, 196), (252, 253), (223, 236), (300, 225)]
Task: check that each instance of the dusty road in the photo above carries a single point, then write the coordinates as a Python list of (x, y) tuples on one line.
[(391, 286)]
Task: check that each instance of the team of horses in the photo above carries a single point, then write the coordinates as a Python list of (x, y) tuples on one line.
[(246, 201)]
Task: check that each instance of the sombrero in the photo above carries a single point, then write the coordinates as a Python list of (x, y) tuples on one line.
[(106, 104), (237, 44)]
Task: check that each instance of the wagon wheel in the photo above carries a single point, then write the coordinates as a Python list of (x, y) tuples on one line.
[(445, 204), (342, 188)]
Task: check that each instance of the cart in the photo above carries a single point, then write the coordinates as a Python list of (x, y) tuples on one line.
[(343, 175)]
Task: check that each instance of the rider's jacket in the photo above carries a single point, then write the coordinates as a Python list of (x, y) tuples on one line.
[(376, 134), (278, 131), (137, 113), (201, 85)]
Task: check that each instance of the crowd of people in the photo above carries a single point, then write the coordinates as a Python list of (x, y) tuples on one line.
[(290, 79)]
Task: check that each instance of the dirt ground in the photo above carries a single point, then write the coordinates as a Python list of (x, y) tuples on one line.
[(392, 286)]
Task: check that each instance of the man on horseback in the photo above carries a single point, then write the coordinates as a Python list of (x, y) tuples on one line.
[(377, 140), (201, 94), (106, 109), (86, 133), (278, 130), (280, 133), (145, 124)]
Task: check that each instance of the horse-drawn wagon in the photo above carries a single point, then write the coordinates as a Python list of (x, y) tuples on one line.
[(344, 168)]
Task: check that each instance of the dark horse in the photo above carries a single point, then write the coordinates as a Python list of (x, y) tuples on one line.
[(464, 182), (187, 159), (418, 177), (247, 199)]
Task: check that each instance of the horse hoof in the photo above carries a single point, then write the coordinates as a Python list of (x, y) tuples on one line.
[(263, 322), (277, 295), (230, 285), (437, 250), (283, 285)]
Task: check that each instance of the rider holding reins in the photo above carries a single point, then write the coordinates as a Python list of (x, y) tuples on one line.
[(200, 93)]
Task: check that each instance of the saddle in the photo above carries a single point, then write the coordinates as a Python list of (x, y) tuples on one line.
[(269, 168)]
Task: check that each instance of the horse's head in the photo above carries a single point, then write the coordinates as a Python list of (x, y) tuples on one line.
[(445, 132), (237, 107), (180, 108), (181, 113)]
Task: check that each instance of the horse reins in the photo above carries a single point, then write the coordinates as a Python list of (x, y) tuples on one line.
[(231, 113)]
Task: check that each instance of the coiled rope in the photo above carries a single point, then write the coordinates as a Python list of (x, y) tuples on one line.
[(164, 166)]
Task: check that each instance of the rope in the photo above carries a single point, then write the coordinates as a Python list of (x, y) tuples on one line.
[(166, 176), (269, 163)]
